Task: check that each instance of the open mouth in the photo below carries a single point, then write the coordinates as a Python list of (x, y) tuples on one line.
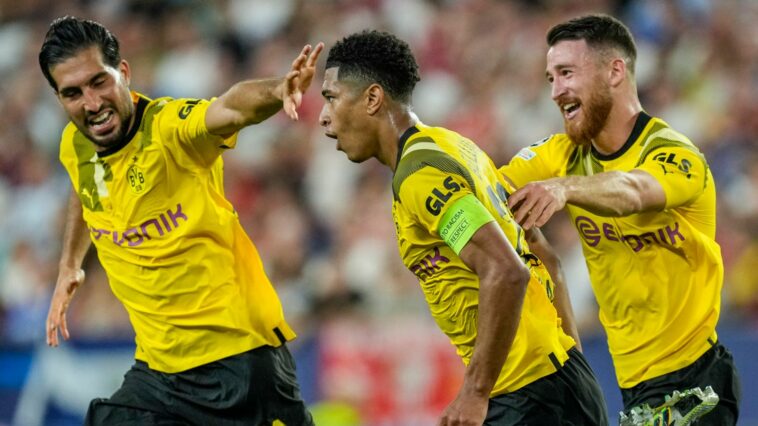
[(102, 123), (570, 110)]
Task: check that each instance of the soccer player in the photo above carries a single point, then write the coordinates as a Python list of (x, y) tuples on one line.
[(148, 191), (486, 290), (644, 203)]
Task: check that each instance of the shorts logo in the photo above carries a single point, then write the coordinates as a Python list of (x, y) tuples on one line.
[(592, 233), (437, 200), (136, 179)]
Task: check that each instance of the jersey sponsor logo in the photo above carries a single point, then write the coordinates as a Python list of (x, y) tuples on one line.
[(185, 110), (429, 265), (593, 233), (668, 160), (136, 179), (437, 200), (148, 229)]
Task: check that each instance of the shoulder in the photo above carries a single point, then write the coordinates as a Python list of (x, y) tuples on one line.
[(428, 152), (556, 144), (660, 138)]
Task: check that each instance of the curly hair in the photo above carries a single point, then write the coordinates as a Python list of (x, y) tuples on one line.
[(68, 36), (600, 32), (376, 57)]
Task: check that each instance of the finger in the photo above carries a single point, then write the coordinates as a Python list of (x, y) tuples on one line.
[(64, 325), (314, 55), (524, 209), (52, 333), (547, 213), (516, 198), (302, 57)]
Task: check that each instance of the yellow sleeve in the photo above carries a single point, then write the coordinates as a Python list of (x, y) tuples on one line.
[(538, 161), (429, 193), (681, 171), (183, 120)]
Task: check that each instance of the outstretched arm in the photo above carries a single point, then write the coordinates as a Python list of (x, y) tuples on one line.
[(76, 242), (503, 278), (612, 193), (252, 101), (562, 302)]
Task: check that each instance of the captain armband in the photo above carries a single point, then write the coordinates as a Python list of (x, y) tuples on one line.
[(461, 220)]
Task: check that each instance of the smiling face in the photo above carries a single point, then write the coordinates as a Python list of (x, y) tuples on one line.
[(345, 117), (95, 96), (579, 88)]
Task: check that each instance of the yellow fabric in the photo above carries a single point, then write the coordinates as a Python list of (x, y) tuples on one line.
[(438, 168), (172, 246), (657, 276)]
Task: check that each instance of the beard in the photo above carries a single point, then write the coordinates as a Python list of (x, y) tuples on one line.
[(125, 114), (595, 114)]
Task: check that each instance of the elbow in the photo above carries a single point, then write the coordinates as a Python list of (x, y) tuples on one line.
[(516, 278)]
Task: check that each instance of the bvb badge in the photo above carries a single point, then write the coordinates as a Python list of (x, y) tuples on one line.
[(136, 179)]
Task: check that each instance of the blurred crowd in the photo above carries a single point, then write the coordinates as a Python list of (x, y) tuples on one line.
[(322, 224)]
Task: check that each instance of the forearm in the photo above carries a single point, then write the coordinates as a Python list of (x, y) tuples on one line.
[(561, 300), (245, 103), (500, 302), (611, 193), (76, 240)]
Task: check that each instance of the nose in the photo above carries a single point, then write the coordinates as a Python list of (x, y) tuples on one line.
[(92, 101), (557, 89), (323, 117)]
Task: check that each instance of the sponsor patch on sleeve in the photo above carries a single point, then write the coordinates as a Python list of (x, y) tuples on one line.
[(526, 153)]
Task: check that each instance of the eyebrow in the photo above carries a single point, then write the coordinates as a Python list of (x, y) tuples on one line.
[(94, 77)]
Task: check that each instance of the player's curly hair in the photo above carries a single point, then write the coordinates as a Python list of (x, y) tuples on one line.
[(376, 57), (68, 35), (600, 31)]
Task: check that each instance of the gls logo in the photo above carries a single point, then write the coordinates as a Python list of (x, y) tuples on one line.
[(670, 158), (435, 201), (187, 108)]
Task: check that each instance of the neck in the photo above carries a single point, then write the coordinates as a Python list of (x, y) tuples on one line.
[(618, 127), (396, 123)]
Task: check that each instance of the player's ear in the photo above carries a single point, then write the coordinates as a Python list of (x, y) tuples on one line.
[(126, 72), (617, 71), (374, 98)]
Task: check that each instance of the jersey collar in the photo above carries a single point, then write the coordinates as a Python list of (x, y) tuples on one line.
[(639, 126), (403, 139)]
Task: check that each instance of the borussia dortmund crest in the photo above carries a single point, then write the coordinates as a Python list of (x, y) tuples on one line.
[(136, 179)]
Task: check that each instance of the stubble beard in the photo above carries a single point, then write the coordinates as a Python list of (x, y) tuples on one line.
[(595, 111)]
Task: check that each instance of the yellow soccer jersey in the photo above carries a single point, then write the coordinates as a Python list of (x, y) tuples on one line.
[(657, 276), (172, 246), (436, 168)]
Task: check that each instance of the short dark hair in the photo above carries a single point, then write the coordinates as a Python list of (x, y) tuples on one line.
[(600, 32), (68, 36), (376, 57)]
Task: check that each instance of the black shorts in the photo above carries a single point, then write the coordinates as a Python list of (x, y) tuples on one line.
[(252, 388), (570, 396), (714, 368)]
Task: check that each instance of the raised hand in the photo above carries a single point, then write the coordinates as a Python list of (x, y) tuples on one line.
[(297, 81), (68, 282)]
